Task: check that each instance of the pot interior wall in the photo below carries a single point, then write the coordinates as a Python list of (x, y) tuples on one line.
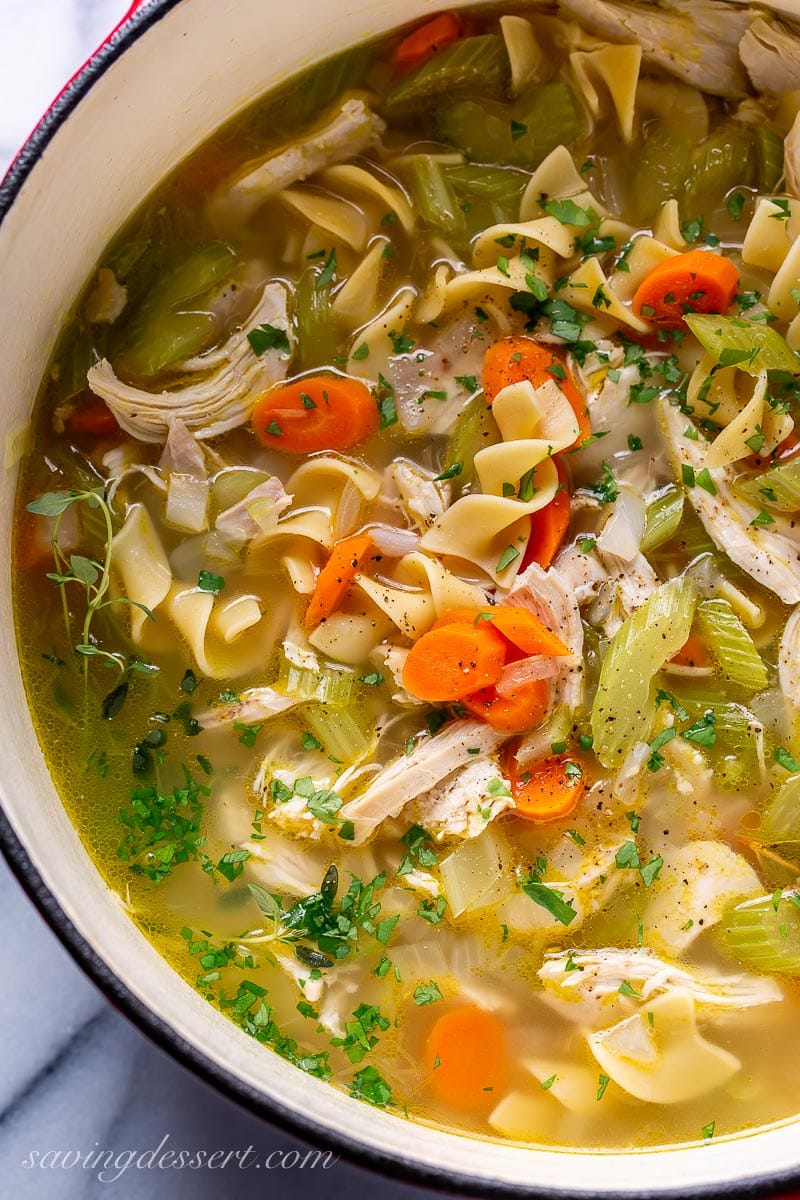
[(188, 71)]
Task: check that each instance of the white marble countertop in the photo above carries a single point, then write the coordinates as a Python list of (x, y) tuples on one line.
[(75, 1076)]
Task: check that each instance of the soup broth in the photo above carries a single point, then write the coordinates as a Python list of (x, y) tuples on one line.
[(406, 576)]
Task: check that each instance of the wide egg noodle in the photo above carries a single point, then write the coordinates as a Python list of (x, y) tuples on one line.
[(375, 336), (525, 55), (356, 179), (481, 528), (357, 299), (589, 291), (218, 652), (645, 255), (771, 233), (139, 557), (557, 178), (616, 70), (731, 444), (342, 220)]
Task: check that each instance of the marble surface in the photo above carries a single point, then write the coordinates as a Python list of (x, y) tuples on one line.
[(75, 1076)]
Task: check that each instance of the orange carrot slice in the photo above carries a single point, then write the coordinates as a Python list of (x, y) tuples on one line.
[(336, 577), (425, 41), (547, 790), (548, 527), (693, 653), (320, 412), (695, 282), (466, 1056), (520, 710), (92, 419), (450, 662), (517, 625), (516, 359)]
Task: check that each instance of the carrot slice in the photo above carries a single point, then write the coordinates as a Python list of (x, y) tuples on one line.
[(426, 40), (320, 412), (336, 577), (517, 625), (693, 653), (520, 710), (515, 359), (467, 1058), (546, 791), (548, 526), (695, 282), (452, 661), (92, 418)]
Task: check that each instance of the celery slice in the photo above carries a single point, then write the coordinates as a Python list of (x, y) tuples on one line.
[(170, 323), (662, 169), (476, 429), (624, 708), (662, 519), (780, 820), (435, 200), (770, 159), (334, 686), (486, 132), (727, 159), (502, 185), (315, 323), (347, 734), (764, 933), (476, 64), (731, 645), (777, 489), (760, 348)]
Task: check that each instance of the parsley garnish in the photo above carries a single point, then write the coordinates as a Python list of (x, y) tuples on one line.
[(268, 337), (207, 582)]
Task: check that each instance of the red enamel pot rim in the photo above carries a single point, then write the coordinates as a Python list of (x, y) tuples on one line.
[(142, 15)]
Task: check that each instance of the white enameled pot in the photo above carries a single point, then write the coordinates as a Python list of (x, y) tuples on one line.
[(165, 80)]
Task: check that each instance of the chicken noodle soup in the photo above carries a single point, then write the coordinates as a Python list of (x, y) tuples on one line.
[(407, 572)]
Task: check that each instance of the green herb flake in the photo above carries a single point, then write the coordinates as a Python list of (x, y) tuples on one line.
[(427, 993), (208, 582), (269, 337)]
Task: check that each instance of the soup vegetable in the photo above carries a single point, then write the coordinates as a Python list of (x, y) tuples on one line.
[(407, 571)]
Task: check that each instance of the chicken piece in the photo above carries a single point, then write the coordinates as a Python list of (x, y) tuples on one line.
[(422, 498), (107, 299), (232, 379), (696, 40), (268, 500), (464, 804), (583, 985), (624, 588), (182, 453), (255, 704), (791, 158), (350, 131), (405, 779), (771, 554), (282, 865), (771, 53)]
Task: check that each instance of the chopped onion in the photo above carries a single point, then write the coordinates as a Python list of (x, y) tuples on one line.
[(623, 531), (473, 875), (538, 666), (187, 503), (393, 542)]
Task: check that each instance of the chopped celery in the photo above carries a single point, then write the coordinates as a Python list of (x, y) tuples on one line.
[(315, 323), (476, 64), (81, 352), (486, 132), (624, 708), (347, 734), (170, 322), (311, 94), (780, 820), (435, 200), (777, 489), (663, 517), (727, 159), (731, 645), (663, 166), (502, 185), (335, 686), (764, 933), (770, 158), (760, 348), (476, 429)]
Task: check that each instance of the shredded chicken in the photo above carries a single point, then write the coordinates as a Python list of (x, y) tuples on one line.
[(182, 453), (789, 662), (107, 299), (255, 704), (267, 499), (585, 982), (232, 378), (791, 158), (696, 40), (463, 804), (422, 498), (351, 131), (409, 777), (770, 554), (771, 53)]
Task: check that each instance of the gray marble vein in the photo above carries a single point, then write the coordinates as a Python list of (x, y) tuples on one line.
[(74, 1075)]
